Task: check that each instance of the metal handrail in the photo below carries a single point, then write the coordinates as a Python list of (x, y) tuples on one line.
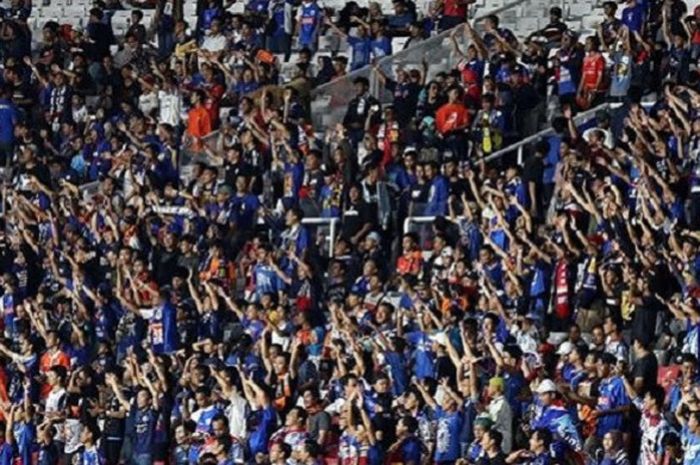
[(397, 56), (333, 226), (543, 133)]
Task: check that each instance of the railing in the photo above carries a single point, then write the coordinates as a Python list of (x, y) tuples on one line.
[(331, 100), (520, 146), (332, 224)]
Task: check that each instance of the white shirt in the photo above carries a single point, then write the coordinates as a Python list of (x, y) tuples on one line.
[(148, 102), (170, 107), (502, 416), (236, 413), (214, 43)]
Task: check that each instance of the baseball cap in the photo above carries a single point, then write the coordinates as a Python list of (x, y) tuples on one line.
[(374, 236), (565, 348), (545, 386)]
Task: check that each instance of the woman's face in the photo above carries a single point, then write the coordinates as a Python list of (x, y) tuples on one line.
[(608, 443)]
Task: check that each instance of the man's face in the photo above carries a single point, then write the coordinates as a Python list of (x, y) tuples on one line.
[(688, 370), (598, 336), (308, 399), (201, 399), (219, 428), (142, 399)]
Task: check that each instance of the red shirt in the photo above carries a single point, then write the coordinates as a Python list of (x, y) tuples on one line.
[(455, 8), (593, 69), (450, 117)]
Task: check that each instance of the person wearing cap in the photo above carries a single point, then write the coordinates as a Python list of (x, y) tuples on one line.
[(555, 418)]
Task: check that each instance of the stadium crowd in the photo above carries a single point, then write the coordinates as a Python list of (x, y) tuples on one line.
[(164, 303)]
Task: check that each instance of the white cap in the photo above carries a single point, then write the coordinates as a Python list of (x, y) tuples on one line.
[(374, 235), (547, 385), (565, 348)]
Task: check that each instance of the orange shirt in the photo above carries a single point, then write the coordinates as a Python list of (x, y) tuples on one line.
[(450, 117), (48, 360), (410, 263), (198, 123), (593, 69)]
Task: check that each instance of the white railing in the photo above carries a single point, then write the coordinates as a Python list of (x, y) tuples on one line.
[(520, 145), (416, 219), (579, 119), (332, 224)]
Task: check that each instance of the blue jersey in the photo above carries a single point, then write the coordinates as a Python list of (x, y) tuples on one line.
[(243, 210), (691, 447), (91, 456), (411, 451), (8, 312), (612, 395), (144, 424), (399, 376), (204, 418), (8, 118), (558, 421), (24, 436), (162, 329), (267, 281), (257, 441), (361, 51), (437, 197), (6, 453), (423, 356), (449, 425), (309, 23), (381, 47), (633, 18)]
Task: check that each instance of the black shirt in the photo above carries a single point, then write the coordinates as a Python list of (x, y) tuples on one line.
[(355, 216), (646, 368), (644, 320), (498, 459)]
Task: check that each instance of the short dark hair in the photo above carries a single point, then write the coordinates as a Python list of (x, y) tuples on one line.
[(496, 436)]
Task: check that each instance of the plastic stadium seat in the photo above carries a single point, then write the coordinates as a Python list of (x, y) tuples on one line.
[(74, 11), (526, 25), (51, 11), (577, 10)]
